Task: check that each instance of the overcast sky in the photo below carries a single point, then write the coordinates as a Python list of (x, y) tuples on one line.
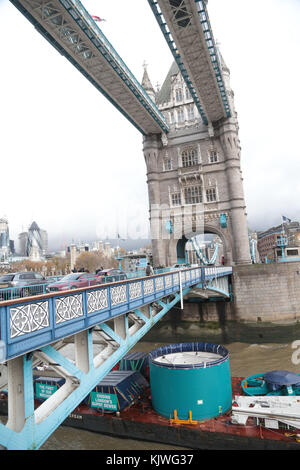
[(71, 162)]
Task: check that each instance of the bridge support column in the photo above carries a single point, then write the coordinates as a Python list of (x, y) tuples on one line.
[(83, 350), (121, 326), (16, 402), (20, 392)]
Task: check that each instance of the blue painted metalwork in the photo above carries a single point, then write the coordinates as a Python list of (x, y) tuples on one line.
[(94, 34), (169, 226), (35, 432), (30, 327), (223, 220), (200, 254), (27, 324), (212, 283), (282, 243), (168, 37)]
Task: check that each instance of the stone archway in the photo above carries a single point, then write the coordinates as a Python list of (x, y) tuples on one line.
[(180, 249), (176, 252), (226, 238)]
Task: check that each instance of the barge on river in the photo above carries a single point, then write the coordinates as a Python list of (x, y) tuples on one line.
[(183, 395)]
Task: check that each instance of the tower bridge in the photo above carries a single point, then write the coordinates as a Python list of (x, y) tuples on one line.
[(192, 155), (190, 127)]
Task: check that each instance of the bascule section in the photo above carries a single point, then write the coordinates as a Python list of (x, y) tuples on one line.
[(194, 172)]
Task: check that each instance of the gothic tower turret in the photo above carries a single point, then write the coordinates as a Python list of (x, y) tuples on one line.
[(147, 85), (195, 184)]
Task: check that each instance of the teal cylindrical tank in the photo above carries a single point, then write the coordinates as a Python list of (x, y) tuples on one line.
[(190, 377)]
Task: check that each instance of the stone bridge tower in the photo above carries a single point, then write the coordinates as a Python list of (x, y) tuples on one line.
[(194, 176)]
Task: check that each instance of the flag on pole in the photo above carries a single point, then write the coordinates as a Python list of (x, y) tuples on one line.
[(97, 18), (285, 219)]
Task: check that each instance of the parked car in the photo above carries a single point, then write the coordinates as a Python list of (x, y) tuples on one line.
[(74, 281), (21, 284), (112, 275)]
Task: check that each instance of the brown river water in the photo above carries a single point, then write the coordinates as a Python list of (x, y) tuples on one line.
[(253, 348)]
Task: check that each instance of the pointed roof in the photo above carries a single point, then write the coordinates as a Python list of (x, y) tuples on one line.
[(146, 83), (33, 226), (164, 94)]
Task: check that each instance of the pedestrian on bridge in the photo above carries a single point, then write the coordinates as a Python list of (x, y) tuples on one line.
[(149, 270)]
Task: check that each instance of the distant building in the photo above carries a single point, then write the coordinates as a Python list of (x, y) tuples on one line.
[(97, 246), (107, 249), (22, 243), (33, 243), (4, 240), (268, 242)]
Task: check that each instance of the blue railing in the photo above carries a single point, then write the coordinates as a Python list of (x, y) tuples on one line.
[(28, 324), (10, 293)]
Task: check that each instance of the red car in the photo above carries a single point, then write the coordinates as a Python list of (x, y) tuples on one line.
[(74, 281)]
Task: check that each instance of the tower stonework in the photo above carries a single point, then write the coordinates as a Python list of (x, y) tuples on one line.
[(194, 177)]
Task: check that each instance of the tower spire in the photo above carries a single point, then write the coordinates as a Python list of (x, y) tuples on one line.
[(146, 83)]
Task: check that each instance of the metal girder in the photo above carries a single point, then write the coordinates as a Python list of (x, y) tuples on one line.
[(72, 31), (187, 30), (104, 321), (29, 427)]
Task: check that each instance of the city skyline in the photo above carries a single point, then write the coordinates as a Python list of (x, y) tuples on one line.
[(56, 142)]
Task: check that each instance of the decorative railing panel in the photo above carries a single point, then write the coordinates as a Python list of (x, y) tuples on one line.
[(37, 321)]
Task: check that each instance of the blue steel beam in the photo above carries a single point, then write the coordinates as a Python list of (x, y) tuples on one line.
[(27, 324), (69, 28), (34, 327), (34, 433)]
